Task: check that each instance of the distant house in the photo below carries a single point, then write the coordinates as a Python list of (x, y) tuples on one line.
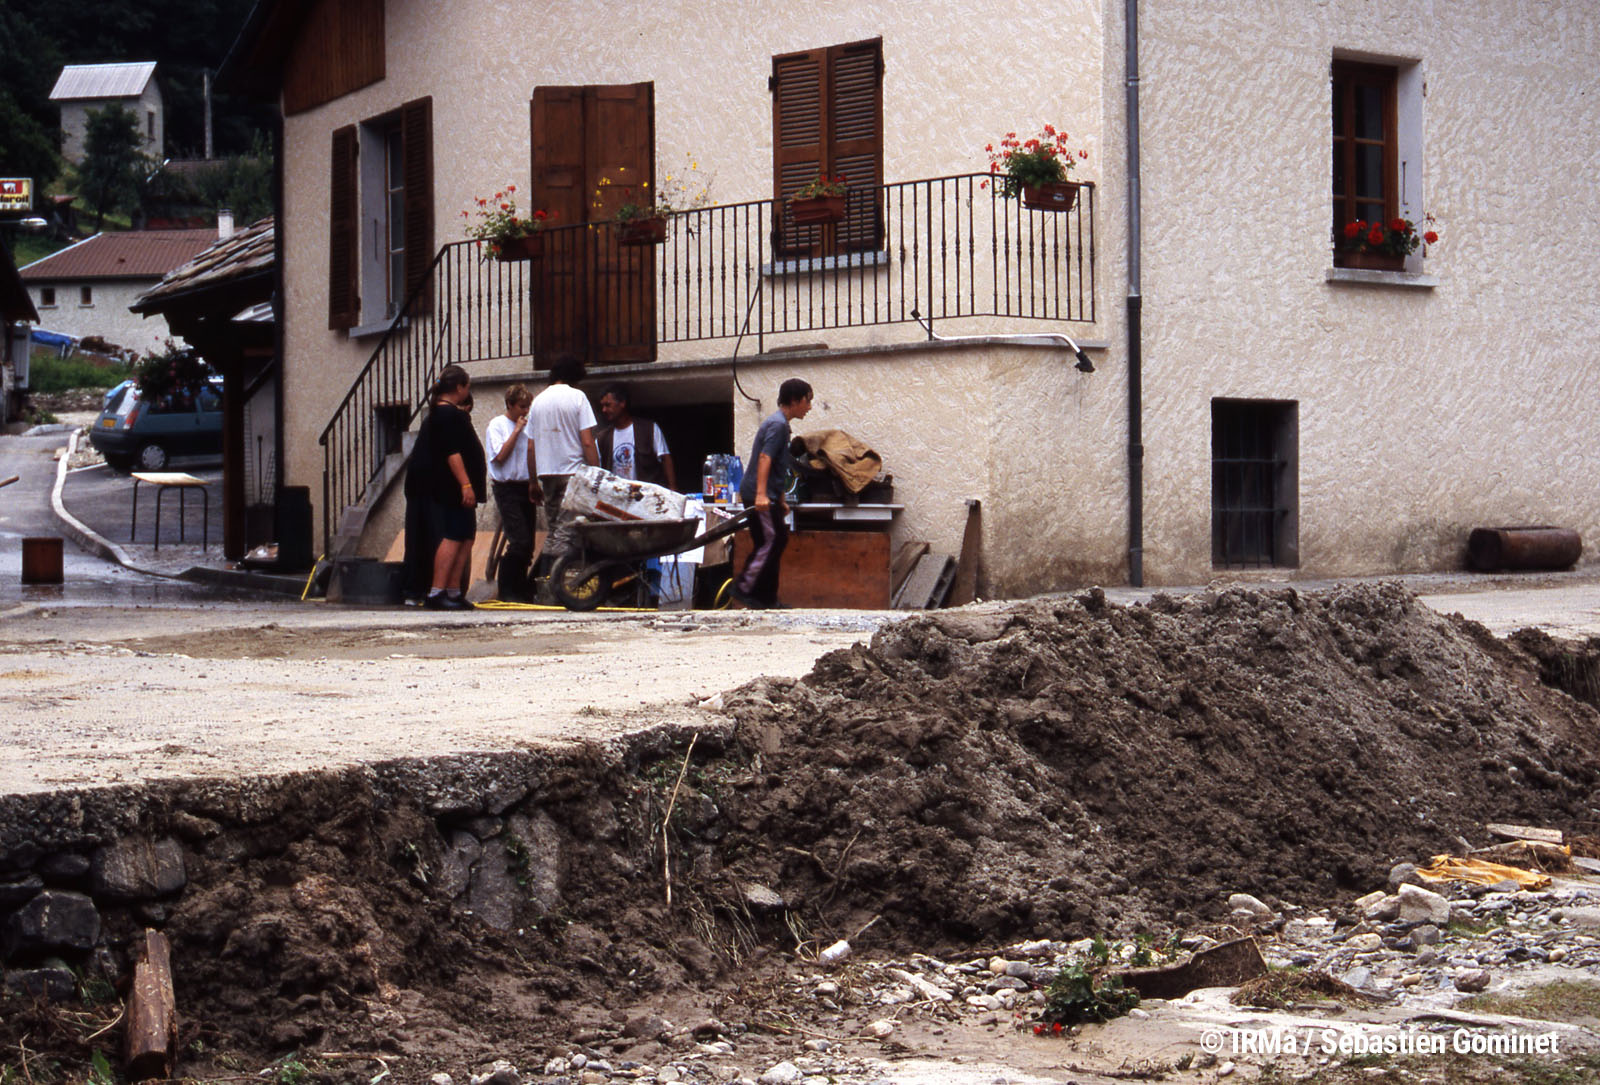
[(82, 87), (86, 289)]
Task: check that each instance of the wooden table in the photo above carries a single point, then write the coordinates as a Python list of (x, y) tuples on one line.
[(838, 556), (171, 480)]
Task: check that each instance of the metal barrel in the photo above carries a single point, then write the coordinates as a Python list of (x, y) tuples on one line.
[(1492, 548)]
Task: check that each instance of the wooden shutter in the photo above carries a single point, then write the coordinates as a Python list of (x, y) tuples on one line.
[(855, 138), (559, 323), (827, 117), (416, 151), (344, 232), (799, 145), (619, 145), (591, 296)]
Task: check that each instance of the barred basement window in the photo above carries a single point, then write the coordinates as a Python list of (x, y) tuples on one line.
[(1254, 483)]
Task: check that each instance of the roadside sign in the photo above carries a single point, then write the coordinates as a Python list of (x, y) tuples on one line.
[(16, 193)]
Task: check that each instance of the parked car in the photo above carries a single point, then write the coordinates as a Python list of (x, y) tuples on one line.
[(131, 433)]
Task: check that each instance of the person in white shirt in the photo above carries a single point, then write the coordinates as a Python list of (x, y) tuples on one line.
[(632, 447), (560, 439), (508, 481)]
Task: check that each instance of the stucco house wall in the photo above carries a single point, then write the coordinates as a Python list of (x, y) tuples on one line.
[(106, 315), (1430, 401), (75, 122)]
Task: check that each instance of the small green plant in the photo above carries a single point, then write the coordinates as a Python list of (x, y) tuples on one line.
[(291, 1071), (1078, 994), (499, 222), (1100, 950), (521, 861), (100, 1072), (1018, 164), (49, 372), (822, 187), (172, 370)]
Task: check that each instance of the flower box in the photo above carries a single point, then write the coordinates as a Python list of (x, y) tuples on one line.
[(1052, 196), (643, 231), (1372, 261), (817, 210), (519, 248)]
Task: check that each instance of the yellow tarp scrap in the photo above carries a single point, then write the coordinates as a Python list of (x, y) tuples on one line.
[(1452, 868)]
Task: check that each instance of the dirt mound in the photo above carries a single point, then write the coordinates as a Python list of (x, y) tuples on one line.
[(1059, 768), (1069, 766)]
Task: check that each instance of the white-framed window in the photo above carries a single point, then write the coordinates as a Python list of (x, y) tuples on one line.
[(1377, 143)]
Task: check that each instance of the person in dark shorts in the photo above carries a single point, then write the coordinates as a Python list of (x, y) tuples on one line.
[(762, 490), (457, 475)]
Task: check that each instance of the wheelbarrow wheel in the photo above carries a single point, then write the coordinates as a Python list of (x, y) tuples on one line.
[(577, 594)]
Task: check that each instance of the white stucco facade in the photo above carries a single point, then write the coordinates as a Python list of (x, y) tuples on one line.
[(104, 314), (1429, 401), (148, 112)]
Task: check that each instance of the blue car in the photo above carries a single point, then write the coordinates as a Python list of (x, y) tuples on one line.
[(133, 434)]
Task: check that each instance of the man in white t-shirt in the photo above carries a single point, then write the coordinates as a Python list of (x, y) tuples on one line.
[(632, 447), (508, 481), (560, 440)]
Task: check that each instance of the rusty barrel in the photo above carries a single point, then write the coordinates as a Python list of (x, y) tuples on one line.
[(41, 560), (1492, 548)]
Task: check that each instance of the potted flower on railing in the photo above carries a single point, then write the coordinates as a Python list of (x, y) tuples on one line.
[(507, 235), (1036, 169), (642, 217), (819, 200), (1382, 246)]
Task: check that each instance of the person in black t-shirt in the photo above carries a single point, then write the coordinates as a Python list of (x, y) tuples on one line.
[(454, 479)]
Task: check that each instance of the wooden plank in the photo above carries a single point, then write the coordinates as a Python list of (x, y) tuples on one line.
[(1523, 832), (152, 1033), (927, 584), (964, 589), (904, 561), (830, 569)]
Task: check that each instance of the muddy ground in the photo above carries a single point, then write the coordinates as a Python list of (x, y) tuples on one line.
[(1053, 769)]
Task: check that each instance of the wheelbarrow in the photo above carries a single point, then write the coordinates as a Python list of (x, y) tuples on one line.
[(609, 552)]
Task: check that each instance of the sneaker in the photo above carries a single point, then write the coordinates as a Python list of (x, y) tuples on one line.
[(749, 602), (437, 602)]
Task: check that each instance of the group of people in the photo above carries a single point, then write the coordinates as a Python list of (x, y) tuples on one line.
[(526, 458)]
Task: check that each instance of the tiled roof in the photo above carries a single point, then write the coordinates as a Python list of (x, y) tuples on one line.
[(131, 254), (248, 252), (102, 81)]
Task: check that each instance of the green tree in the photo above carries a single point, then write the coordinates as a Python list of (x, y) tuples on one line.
[(113, 166), (28, 126)]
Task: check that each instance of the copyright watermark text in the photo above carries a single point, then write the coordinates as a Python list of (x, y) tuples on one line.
[(1404, 1041)]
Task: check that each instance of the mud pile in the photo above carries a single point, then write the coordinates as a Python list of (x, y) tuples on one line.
[(1069, 766), (1055, 768)]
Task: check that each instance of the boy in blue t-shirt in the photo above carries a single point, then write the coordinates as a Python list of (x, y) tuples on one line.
[(762, 490)]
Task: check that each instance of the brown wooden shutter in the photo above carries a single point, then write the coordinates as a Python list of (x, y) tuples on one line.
[(619, 145), (344, 233), (799, 148), (855, 137), (559, 296), (827, 117), (416, 151)]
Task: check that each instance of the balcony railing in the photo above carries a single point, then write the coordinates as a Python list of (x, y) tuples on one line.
[(945, 248)]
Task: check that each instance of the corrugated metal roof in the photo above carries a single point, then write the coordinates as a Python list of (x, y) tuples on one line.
[(102, 80), (248, 252), (131, 254)]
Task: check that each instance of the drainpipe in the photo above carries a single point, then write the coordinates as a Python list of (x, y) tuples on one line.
[(1135, 310)]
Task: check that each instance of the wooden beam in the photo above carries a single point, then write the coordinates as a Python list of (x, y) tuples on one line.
[(152, 1037)]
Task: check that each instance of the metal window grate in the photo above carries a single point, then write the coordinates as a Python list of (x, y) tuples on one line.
[(1252, 484)]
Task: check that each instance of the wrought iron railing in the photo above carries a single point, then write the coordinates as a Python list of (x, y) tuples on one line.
[(946, 248)]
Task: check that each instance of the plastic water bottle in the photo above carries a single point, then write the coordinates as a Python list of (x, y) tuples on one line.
[(722, 479), (735, 475), (708, 477)]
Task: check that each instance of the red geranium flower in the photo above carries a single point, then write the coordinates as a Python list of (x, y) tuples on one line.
[(1430, 237), (1375, 236), (1056, 1027), (1398, 226), (1352, 230)]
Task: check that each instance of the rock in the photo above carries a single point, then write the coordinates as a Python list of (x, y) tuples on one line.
[(1558, 955), (20, 890), (52, 981), (1019, 969), (455, 867), (1244, 902), (136, 867), (1365, 943), (593, 1077), (1383, 910), (1419, 905), (827, 989), (1410, 979), (898, 995), (533, 845), (785, 1073), (1225, 1069), (880, 1029), (819, 1046), (441, 1079), (578, 1061), (1042, 948), (1472, 981), (500, 1072), (54, 919), (555, 1066), (492, 893), (709, 1029), (1427, 955), (1362, 904), (1403, 874), (760, 898), (997, 965), (925, 988), (1425, 935), (647, 1027), (1358, 977), (63, 866), (835, 953), (668, 1073)]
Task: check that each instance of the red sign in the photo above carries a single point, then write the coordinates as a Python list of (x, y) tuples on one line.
[(16, 193)]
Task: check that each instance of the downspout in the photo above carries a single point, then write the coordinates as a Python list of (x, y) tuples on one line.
[(1135, 310), (278, 306)]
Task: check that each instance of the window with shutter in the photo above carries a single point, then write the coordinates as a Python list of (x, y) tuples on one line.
[(827, 118), (380, 236)]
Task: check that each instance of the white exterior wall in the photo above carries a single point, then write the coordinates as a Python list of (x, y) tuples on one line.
[(107, 315), (1423, 412), (75, 121)]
